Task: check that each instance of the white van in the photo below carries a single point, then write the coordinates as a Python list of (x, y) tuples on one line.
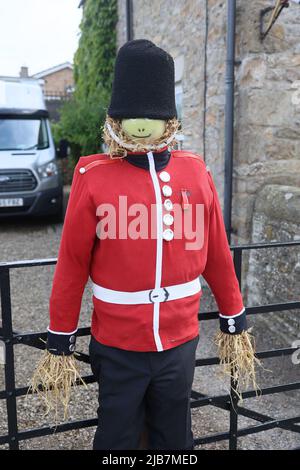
[(30, 180)]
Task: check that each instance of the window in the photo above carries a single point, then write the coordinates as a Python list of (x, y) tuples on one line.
[(23, 134)]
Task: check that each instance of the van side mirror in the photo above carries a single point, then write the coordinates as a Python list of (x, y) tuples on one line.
[(63, 149)]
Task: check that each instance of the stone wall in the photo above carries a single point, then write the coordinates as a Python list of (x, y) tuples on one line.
[(176, 26), (266, 175), (267, 137), (267, 96), (273, 275)]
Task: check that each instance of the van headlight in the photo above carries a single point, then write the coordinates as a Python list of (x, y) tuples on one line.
[(47, 170)]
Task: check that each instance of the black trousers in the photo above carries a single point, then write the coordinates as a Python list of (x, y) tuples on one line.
[(138, 388)]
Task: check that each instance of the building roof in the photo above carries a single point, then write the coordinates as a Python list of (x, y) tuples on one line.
[(56, 68)]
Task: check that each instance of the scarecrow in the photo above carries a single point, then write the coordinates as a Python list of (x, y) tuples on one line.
[(143, 222)]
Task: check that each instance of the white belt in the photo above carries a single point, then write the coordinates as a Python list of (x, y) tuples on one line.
[(149, 296)]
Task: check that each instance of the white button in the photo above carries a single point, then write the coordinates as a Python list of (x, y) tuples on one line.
[(231, 321), (164, 176), (231, 329), (72, 347), (72, 339), (168, 234), (168, 219), (82, 170), (168, 204), (167, 190)]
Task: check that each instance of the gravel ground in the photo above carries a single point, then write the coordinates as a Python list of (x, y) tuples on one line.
[(30, 289)]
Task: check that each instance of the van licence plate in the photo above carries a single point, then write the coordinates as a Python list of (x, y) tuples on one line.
[(12, 202)]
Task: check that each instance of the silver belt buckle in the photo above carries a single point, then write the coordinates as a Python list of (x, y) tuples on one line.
[(160, 295)]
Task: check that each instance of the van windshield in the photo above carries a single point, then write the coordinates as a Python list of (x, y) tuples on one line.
[(23, 134)]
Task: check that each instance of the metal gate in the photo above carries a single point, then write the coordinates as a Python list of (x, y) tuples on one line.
[(226, 402)]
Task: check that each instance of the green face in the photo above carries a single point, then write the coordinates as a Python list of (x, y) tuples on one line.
[(143, 130)]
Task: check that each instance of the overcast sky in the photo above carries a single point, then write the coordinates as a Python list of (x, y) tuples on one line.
[(37, 33)]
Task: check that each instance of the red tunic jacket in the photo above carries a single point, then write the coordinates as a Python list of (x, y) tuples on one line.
[(130, 264)]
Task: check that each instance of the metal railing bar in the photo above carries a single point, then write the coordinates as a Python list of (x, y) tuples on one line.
[(202, 316), (82, 357), (207, 361), (201, 401), (266, 426), (275, 353), (26, 263), (255, 310), (261, 355), (244, 431), (197, 402), (59, 428), (257, 246), (49, 430), (19, 392), (9, 366), (86, 423), (249, 394), (4, 439), (237, 260), (247, 413), (211, 438), (224, 405), (274, 389), (268, 308), (30, 338), (233, 416), (89, 379), (38, 432), (47, 261)]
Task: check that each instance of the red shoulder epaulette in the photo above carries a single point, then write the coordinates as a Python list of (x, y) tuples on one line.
[(186, 153), (105, 160)]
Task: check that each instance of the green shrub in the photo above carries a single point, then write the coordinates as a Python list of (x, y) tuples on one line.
[(82, 117)]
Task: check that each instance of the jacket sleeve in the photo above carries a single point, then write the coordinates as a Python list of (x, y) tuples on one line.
[(72, 269), (219, 271)]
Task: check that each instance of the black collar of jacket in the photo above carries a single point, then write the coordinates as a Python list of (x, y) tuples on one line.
[(161, 159)]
